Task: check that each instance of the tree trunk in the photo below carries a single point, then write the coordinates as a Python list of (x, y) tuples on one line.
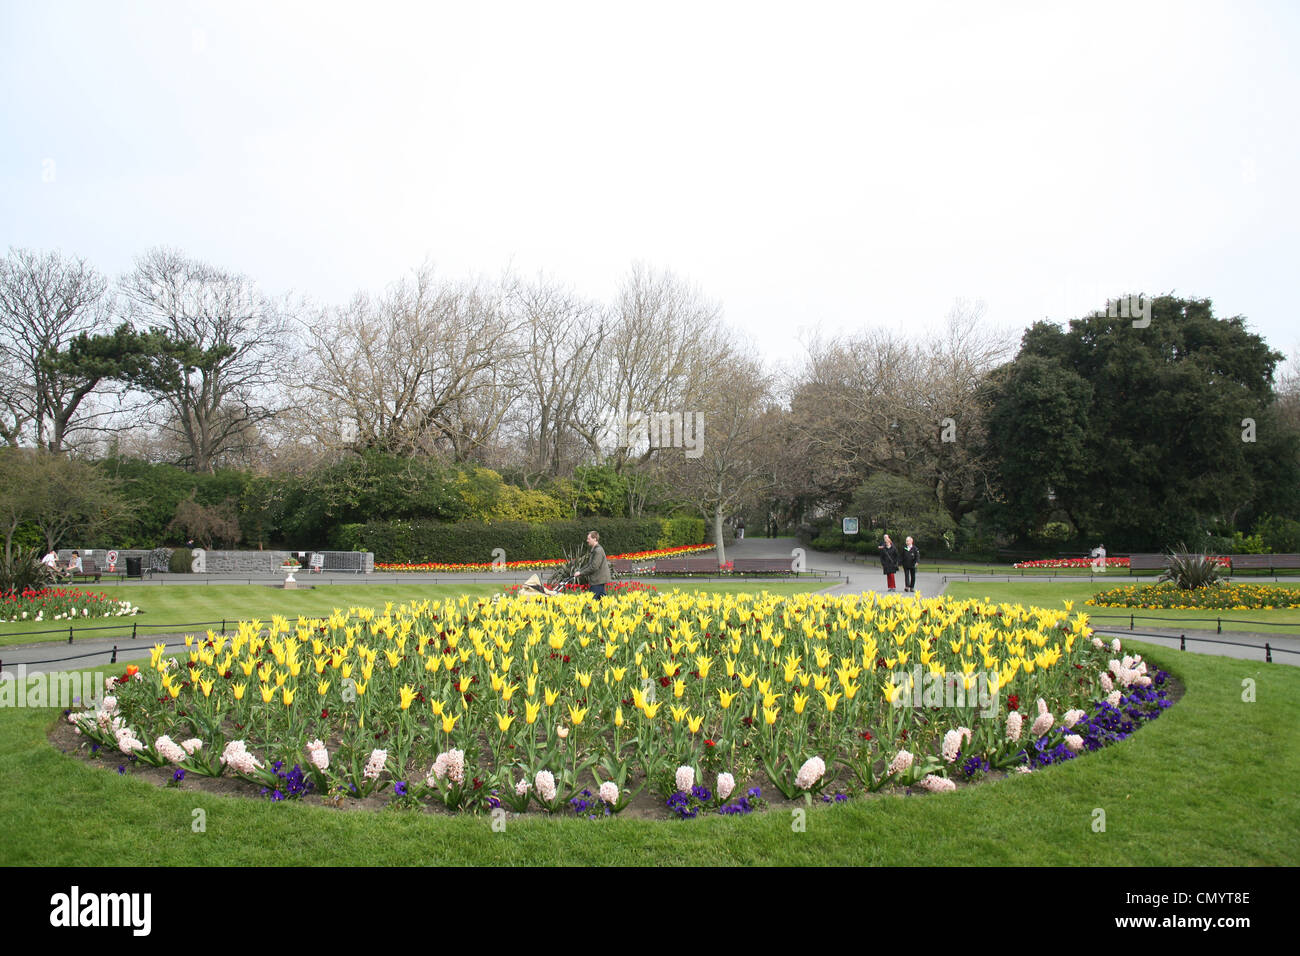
[(717, 534)]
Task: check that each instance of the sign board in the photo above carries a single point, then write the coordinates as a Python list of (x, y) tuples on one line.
[(850, 525), (112, 561), (317, 562)]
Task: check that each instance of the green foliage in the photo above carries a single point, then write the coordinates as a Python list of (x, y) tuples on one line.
[(22, 571), (681, 531), (1138, 431), (519, 504), (1247, 544), (1055, 532), (1279, 535), (181, 561), (1189, 571), (889, 504)]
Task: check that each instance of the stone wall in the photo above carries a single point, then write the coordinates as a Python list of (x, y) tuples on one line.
[(242, 562)]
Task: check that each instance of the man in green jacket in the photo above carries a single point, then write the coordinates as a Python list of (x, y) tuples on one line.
[(596, 570)]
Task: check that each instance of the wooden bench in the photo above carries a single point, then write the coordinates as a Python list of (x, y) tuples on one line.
[(1147, 562), (89, 571), (762, 566), (1265, 562), (686, 566)]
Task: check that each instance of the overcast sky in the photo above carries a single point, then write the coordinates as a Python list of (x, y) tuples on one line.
[(812, 164)]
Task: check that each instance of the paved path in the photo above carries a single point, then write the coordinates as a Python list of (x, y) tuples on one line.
[(843, 577)]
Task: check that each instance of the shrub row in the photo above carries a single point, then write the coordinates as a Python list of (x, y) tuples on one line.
[(472, 541)]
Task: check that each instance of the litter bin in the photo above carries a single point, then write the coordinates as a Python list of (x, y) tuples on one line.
[(133, 567)]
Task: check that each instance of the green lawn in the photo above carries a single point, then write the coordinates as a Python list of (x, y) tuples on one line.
[(1205, 785), (1054, 593), (181, 607)]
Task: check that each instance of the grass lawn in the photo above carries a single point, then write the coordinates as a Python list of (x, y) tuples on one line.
[(1205, 785), (181, 607), (1053, 594)]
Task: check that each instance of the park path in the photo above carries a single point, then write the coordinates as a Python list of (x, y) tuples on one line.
[(844, 576)]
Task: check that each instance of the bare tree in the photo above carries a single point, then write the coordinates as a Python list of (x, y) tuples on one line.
[(219, 377), (560, 342), (416, 370), (666, 346), (50, 367)]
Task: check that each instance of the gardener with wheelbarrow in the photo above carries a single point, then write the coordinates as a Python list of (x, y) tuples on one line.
[(596, 570)]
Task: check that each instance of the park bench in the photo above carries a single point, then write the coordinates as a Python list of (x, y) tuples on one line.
[(89, 571), (762, 566), (622, 567), (1147, 562), (686, 566), (1265, 562)]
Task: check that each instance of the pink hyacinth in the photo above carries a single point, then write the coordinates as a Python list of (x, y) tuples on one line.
[(1042, 724), (456, 766), (685, 779), (522, 787), (1072, 717), (902, 761), (1015, 722), (1106, 683), (169, 749), (814, 769), (1113, 698), (1098, 643), (1115, 646), (1074, 742), (952, 742), (937, 784), (375, 765), (1024, 769), (318, 755), (191, 745), (545, 784), (609, 792), (239, 759), (726, 784)]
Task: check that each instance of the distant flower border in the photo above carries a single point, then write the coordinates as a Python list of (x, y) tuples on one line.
[(535, 565), (61, 604), (1226, 597)]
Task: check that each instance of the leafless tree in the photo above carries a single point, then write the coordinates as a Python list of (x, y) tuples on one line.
[(223, 377), (417, 369), (46, 301)]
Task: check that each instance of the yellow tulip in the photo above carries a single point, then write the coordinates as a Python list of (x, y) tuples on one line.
[(237, 689), (693, 723), (288, 696), (800, 702), (576, 714), (551, 696), (650, 710), (361, 687), (504, 721), (618, 717), (702, 664), (448, 722), (679, 713), (408, 695), (679, 688), (531, 709), (770, 715), (584, 678), (831, 700), (725, 698), (323, 688), (267, 693), (206, 687)]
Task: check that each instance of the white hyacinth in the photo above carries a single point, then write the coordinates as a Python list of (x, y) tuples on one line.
[(545, 784), (952, 742), (318, 755), (522, 787), (609, 792), (685, 779), (726, 784), (1015, 723), (375, 765), (901, 762), (937, 784), (813, 769)]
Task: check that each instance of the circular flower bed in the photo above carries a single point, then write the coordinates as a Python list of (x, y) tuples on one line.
[(1220, 597), (61, 604), (708, 702)]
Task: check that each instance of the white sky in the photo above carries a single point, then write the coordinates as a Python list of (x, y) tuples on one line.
[(840, 165)]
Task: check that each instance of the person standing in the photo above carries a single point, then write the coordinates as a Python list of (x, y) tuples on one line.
[(740, 529), (909, 558), (889, 561), (596, 570)]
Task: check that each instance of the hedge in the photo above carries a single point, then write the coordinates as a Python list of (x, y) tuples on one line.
[(475, 541)]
